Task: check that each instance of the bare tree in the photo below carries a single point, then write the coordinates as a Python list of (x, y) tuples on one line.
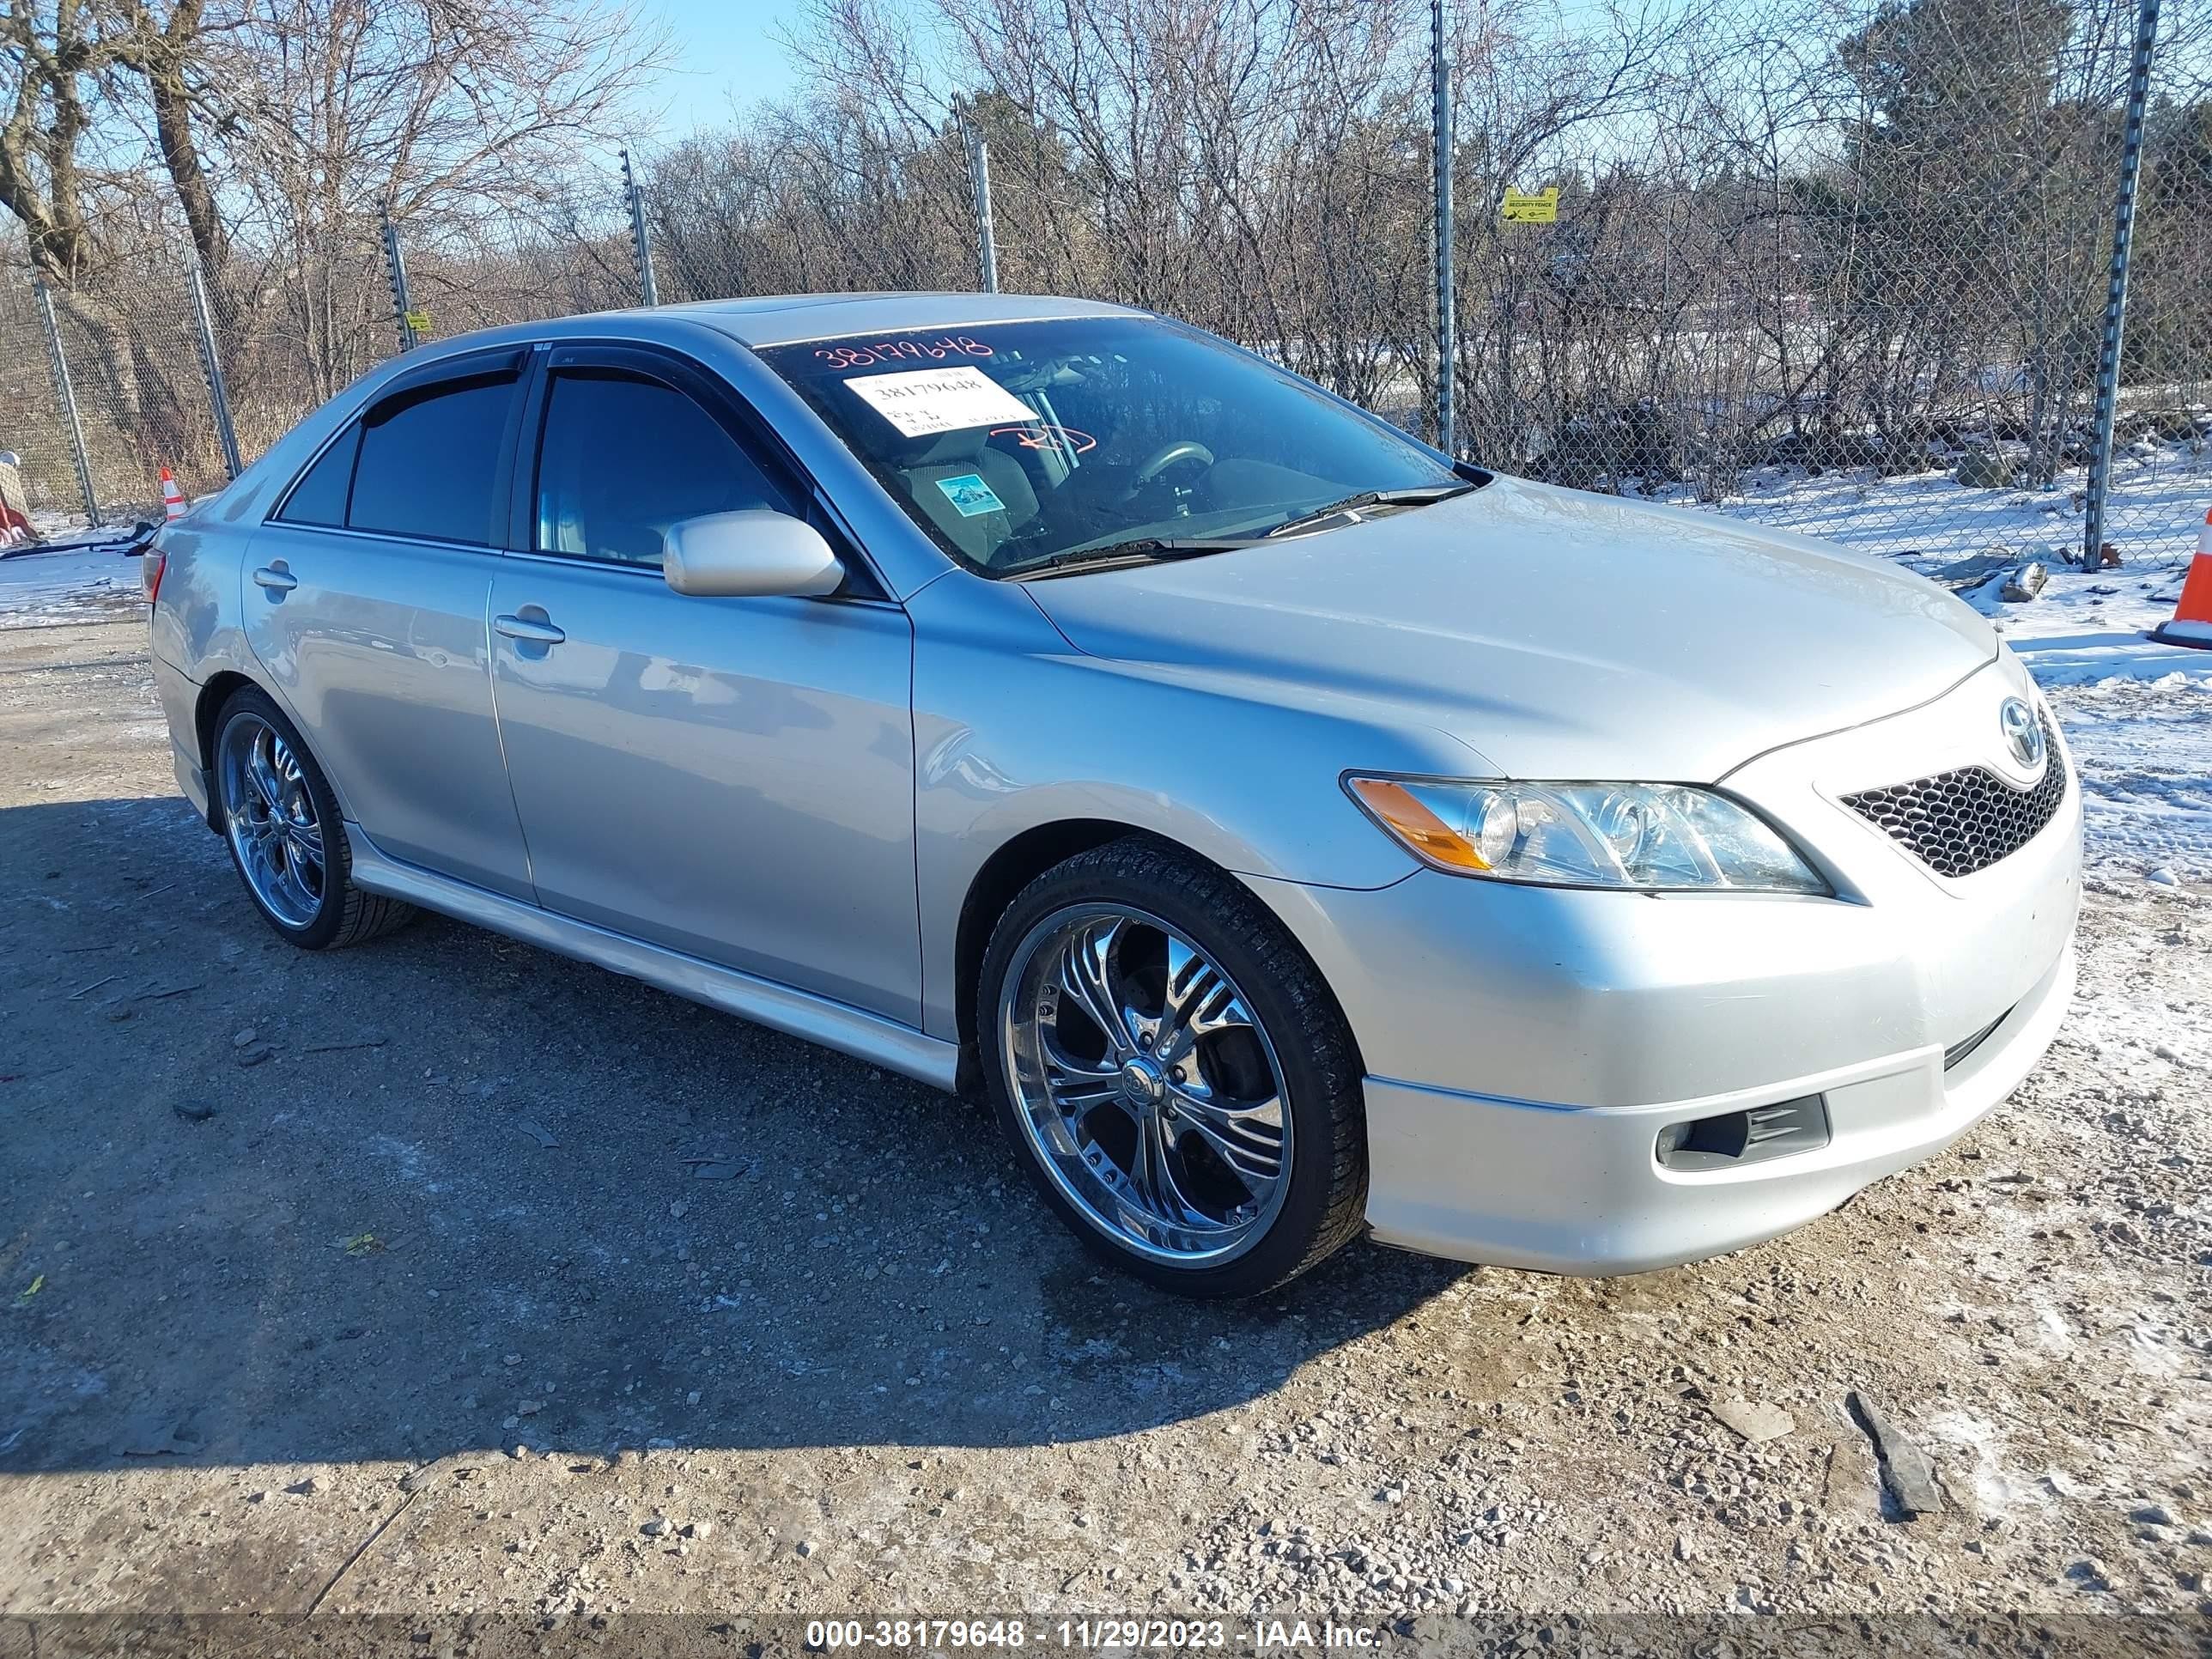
[(444, 109), (57, 53)]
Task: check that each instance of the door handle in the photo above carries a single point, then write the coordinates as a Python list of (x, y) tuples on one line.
[(528, 627), (276, 579)]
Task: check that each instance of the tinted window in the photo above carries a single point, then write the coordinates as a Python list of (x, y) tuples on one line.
[(623, 458), (429, 462), (320, 497)]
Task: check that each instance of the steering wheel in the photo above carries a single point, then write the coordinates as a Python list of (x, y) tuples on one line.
[(1167, 455)]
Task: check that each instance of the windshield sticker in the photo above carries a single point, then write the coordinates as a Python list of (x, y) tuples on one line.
[(925, 402), (970, 496), (911, 351), (1045, 435)]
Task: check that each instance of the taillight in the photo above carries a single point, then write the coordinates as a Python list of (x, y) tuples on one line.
[(151, 563)]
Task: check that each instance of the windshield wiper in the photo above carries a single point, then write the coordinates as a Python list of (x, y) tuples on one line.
[(1144, 549), (1159, 550), (1418, 497)]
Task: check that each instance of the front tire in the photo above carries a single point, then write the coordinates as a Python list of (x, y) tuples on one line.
[(1179, 1081), (286, 835)]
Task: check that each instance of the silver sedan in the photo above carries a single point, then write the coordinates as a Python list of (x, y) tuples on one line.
[(1295, 833)]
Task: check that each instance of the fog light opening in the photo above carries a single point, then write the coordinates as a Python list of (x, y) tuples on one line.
[(1752, 1136)]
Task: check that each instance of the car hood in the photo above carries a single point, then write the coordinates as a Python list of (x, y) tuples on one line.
[(1560, 635)]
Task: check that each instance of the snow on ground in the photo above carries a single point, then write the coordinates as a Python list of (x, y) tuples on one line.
[(2137, 715), (2159, 495), (2144, 750), (1925, 517), (41, 589), (57, 526)]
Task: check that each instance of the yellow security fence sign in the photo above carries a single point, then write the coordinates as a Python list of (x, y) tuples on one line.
[(1522, 207), (419, 321)]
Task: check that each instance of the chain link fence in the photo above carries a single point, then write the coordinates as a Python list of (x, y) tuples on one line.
[(1836, 265), (293, 327), (2161, 458), (109, 380), (556, 257), (32, 423)]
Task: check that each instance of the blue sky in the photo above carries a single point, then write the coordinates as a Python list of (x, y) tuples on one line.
[(726, 51)]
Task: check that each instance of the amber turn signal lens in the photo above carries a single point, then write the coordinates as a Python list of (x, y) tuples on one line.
[(1414, 824)]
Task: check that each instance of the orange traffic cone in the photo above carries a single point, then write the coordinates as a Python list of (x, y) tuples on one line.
[(173, 499), (2192, 616)]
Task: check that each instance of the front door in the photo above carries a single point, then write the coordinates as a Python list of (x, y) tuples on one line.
[(364, 598), (731, 778)]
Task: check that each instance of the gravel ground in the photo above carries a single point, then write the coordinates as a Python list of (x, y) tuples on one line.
[(444, 1277)]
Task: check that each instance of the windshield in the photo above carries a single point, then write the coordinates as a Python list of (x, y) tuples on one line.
[(1023, 445)]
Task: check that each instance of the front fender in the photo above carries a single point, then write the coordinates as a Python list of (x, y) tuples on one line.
[(1015, 729)]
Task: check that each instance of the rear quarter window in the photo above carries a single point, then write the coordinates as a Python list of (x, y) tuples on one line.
[(320, 497), (429, 462)]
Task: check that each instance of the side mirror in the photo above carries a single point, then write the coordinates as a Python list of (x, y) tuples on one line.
[(754, 553)]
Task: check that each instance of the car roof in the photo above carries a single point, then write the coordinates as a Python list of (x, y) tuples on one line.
[(781, 319), (765, 320)]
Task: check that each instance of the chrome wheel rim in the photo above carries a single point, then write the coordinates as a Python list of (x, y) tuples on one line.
[(270, 815), (1144, 1086)]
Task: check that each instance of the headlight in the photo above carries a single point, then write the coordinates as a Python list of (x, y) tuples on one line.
[(1665, 837)]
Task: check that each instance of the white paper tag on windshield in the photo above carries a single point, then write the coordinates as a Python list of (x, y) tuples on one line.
[(923, 402)]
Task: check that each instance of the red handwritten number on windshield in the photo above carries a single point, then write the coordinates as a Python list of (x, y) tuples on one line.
[(911, 351)]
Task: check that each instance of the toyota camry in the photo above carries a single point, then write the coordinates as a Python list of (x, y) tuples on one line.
[(1295, 833)]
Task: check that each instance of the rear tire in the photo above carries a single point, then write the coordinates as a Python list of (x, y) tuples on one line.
[(285, 832), (1178, 1080)]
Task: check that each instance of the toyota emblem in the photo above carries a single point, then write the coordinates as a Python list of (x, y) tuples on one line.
[(2023, 733)]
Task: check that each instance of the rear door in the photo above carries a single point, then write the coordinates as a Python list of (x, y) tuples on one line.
[(365, 598), (731, 778)]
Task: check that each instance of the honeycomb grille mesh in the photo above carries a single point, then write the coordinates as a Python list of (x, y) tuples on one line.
[(1957, 823)]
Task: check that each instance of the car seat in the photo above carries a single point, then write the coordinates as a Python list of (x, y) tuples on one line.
[(947, 458)]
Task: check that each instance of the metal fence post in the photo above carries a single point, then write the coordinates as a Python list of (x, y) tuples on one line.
[(67, 393), (212, 364), (979, 173), (2115, 291), (1447, 314), (395, 268), (640, 244)]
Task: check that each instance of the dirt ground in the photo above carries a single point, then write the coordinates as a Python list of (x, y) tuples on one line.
[(443, 1279)]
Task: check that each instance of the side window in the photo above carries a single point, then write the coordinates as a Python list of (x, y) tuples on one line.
[(320, 497), (623, 459), (429, 462)]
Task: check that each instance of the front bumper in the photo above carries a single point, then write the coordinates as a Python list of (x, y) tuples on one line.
[(1580, 1191), (1525, 1046)]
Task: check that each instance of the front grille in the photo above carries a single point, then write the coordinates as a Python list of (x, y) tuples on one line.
[(1957, 823)]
